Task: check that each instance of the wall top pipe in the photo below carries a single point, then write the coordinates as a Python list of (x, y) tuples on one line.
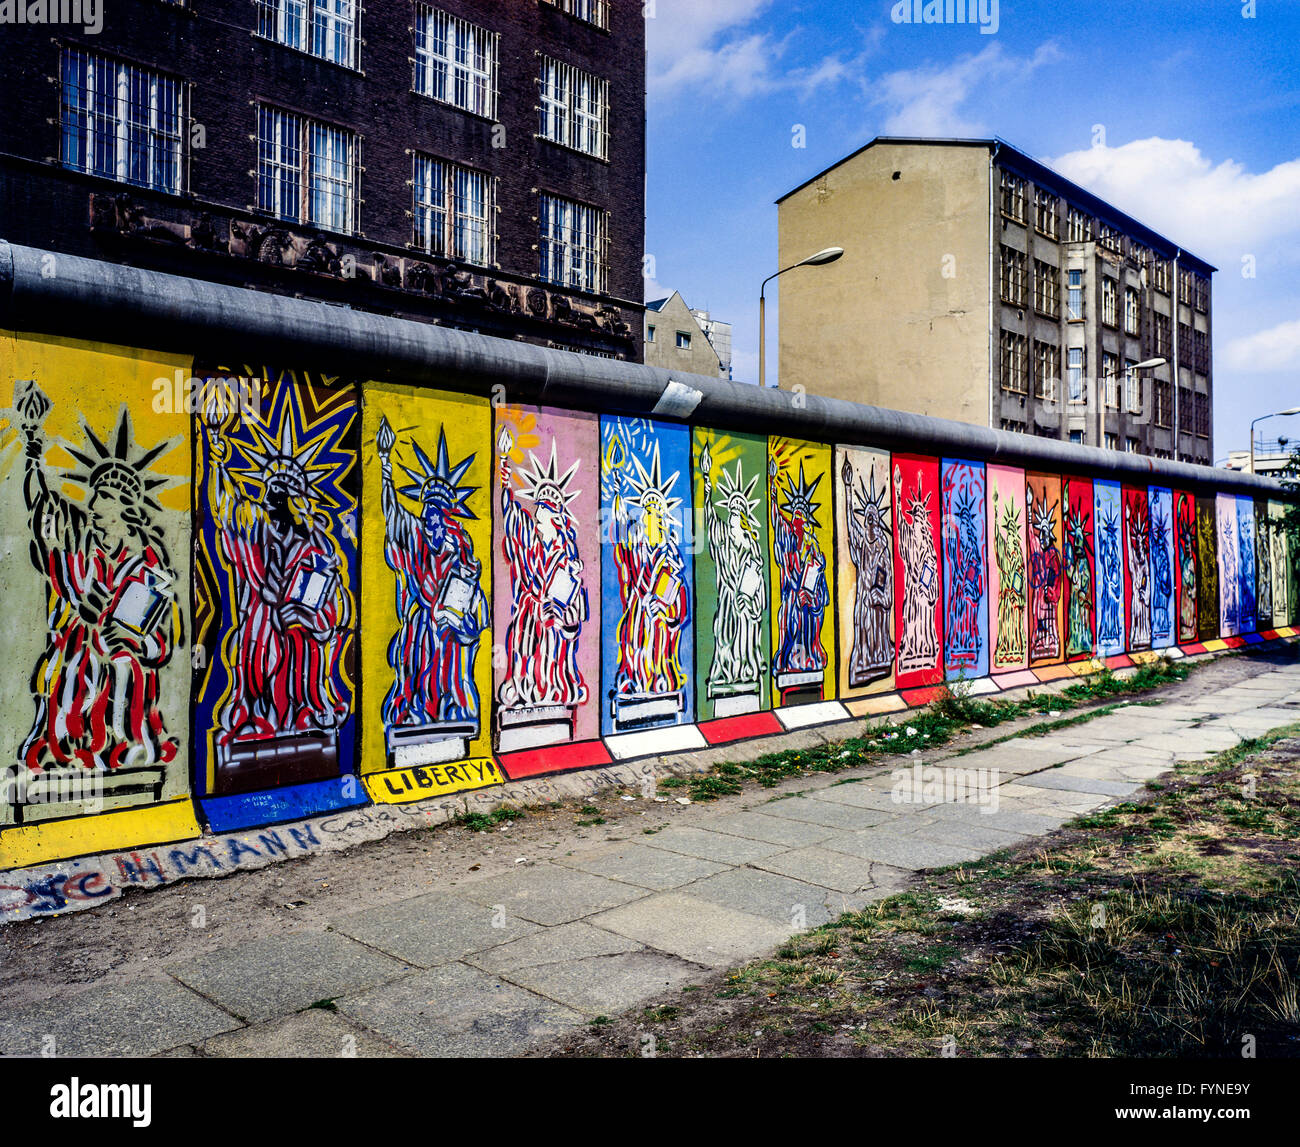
[(49, 293)]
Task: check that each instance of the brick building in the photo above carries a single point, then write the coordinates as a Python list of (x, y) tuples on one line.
[(468, 162)]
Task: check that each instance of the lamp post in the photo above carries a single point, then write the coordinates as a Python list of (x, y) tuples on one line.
[(1275, 414), (828, 255), (1145, 364)]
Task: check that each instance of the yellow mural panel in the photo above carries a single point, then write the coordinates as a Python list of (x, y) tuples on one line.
[(26, 844), (426, 576)]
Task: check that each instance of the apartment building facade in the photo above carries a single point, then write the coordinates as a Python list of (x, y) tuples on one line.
[(466, 162), (979, 285), (678, 337)]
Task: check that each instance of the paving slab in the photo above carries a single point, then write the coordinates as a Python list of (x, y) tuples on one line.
[(313, 1034), (575, 941), (697, 930), (454, 1011), (1070, 782), (607, 985), (862, 796), (550, 893), (964, 834), (826, 813), (723, 848), (772, 829), (646, 867), (433, 929), (774, 897), (819, 864), (112, 1018), (1006, 819), (274, 975), (911, 851)]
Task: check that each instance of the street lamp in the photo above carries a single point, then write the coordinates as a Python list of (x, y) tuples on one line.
[(1145, 364), (828, 255), (1275, 414)]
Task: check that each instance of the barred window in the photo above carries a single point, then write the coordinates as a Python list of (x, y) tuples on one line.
[(574, 108), (1110, 238), (1108, 301), (1045, 218), (1015, 363), (1160, 274), (1047, 370), (307, 171), (1047, 289), (454, 211), (455, 62), (1162, 403), (572, 244), (1186, 411), (121, 122), (1185, 287), (1013, 277), (1202, 415), (1201, 352), (593, 11), (325, 28), (1164, 343), (1013, 425), (1201, 293), (1079, 226), (1015, 196), (1132, 312)]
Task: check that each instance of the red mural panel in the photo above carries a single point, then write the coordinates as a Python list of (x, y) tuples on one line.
[(918, 571), (1137, 568), (1046, 572), (1078, 553), (1186, 568)]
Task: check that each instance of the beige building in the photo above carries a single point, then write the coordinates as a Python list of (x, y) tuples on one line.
[(679, 338), (981, 286)]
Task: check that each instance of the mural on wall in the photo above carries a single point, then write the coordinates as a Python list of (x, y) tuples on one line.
[(1108, 515), (1046, 576), (864, 537), (1280, 562), (965, 571), (1160, 507), (647, 661), (96, 577), (275, 595), (1078, 552), (731, 574), (1207, 585), (1263, 568), (1246, 613), (1186, 559), (1008, 582), (918, 571), (546, 605), (1137, 568), (1229, 561), (427, 571)]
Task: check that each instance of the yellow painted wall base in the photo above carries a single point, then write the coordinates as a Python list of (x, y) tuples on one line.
[(27, 844), (1144, 657), (420, 782), (1084, 668), (1216, 645)]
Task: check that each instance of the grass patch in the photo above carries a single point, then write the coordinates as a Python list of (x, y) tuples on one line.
[(486, 821)]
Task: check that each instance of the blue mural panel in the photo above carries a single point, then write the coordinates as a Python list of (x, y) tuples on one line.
[(1161, 503), (965, 571), (647, 655), (1108, 513), (1246, 564)]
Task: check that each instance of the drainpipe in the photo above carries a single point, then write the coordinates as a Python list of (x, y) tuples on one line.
[(994, 214), (1177, 387)]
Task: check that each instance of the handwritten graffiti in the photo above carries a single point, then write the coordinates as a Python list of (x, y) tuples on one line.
[(965, 579), (1045, 575), (1187, 558), (1078, 534), (114, 617), (733, 525), (1137, 552), (431, 711), (1010, 556), (919, 638), (870, 545)]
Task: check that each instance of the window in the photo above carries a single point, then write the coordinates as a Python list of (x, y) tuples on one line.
[(683, 340), (1110, 238), (1047, 370), (593, 11), (1162, 395), (1160, 274), (1013, 425), (1047, 290), (122, 122), (1074, 300), (650, 334), (572, 244), (1201, 352), (1202, 415), (1112, 441), (1015, 363), (455, 62), (1132, 387), (1131, 445), (1013, 277), (574, 108), (1078, 226), (325, 28), (1201, 293), (453, 208), (1132, 312), (1076, 437), (1110, 378), (1108, 290), (1185, 287), (1045, 221), (1015, 197), (306, 170), (1075, 374), (1164, 344)]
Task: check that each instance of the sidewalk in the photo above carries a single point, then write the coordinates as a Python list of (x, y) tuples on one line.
[(496, 963)]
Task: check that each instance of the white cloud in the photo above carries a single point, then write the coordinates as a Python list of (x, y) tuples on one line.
[(1219, 211), (1277, 348), (929, 100)]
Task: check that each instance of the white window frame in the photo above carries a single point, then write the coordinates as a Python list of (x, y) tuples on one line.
[(455, 62), (122, 122), (1076, 362), (572, 244), (454, 208), (326, 29), (1109, 301), (573, 108), (308, 171), (1132, 388), (1074, 304)]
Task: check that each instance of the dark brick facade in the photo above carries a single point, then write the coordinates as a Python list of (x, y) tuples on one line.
[(214, 231)]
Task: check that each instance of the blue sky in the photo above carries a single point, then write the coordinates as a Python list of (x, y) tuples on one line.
[(1200, 107)]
